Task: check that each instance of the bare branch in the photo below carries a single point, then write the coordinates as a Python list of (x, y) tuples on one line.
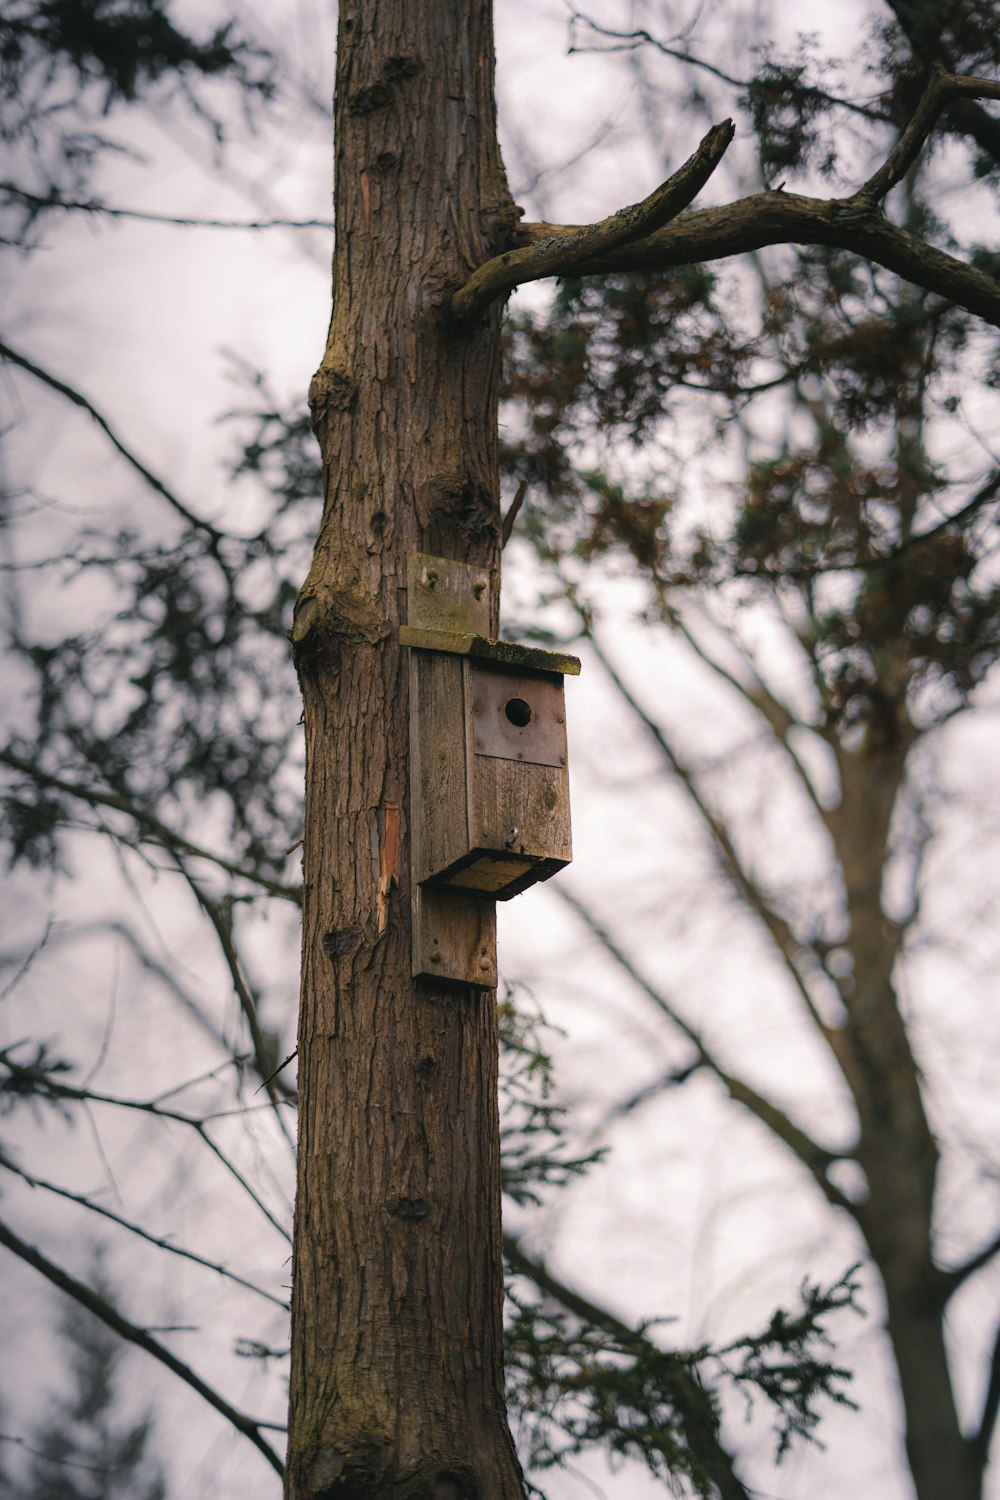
[(152, 1239), (959, 1275), (62, 1463), (263, 1052), (94, 206), (759, 697), (779, 218), (27, 961), (162, 835), (778, 929), (943, 88), (50, 1086), (78, 399), (631, 41), (108, 1315), (814, 1157), (563, 252), (991, 1406)]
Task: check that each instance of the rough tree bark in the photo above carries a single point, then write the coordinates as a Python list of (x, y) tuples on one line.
[(396, 1376)]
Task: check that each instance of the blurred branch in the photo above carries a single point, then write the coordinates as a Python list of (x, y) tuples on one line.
[(631, 41), (991, 1406), (264, 1052), (152, 1239), (759, 697), (855, 224), (42, 1083), (25, 964), (214, 535), (64, 1463), (108, 1315), (959, 1275), (814, 1157), (94, 206), (778, 929), (162, 835)]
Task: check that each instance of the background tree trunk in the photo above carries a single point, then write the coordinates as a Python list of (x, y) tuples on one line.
[(396, 1377)]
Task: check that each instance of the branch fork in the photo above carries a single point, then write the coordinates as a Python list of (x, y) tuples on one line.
[(568, 250), (655, 234)]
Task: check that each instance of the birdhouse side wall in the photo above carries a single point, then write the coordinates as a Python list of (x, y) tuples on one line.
[(439, 802)]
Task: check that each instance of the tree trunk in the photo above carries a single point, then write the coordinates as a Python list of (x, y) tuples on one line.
[(896, 1147), (396, 1366)]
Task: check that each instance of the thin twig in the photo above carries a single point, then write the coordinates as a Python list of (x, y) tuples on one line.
[(78, 399), (181, 221), (512, 512), (52, 1086), (168, 838), (136, 1229), (814, 1157)]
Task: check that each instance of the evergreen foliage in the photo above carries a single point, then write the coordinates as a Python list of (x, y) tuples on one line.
[(84, 1450)]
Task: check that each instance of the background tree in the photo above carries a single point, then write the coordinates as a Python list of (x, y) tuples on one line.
[(208, 604), (867, 551)]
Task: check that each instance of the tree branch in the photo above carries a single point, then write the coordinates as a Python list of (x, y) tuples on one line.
[(162, 834), (632, 241), (959, 1275), (777, 928), (113, 1319), (264, 1053), (779, 218), (778, 718), (942, 89), (136, 1229), (925, 41), (717, 1459), (78, 399), (814, 1157), (562, 252), (181, 221), (46, 1085), (991, 1407), (631, 41)]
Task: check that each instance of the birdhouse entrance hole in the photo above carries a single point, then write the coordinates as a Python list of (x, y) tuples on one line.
[(518, 712)]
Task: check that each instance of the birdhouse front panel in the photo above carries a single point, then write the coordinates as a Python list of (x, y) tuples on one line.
[(491, 793)]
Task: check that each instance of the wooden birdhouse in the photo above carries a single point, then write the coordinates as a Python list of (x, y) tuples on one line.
[(489, 784)]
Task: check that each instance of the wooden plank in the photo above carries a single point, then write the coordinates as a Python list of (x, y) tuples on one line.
[(517, 715), (446, 596), (521, 807), (439, 794), (454, 937), (482, 648)]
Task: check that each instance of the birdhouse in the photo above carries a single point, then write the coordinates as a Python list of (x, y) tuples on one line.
[(490, 788), (489, 784)]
